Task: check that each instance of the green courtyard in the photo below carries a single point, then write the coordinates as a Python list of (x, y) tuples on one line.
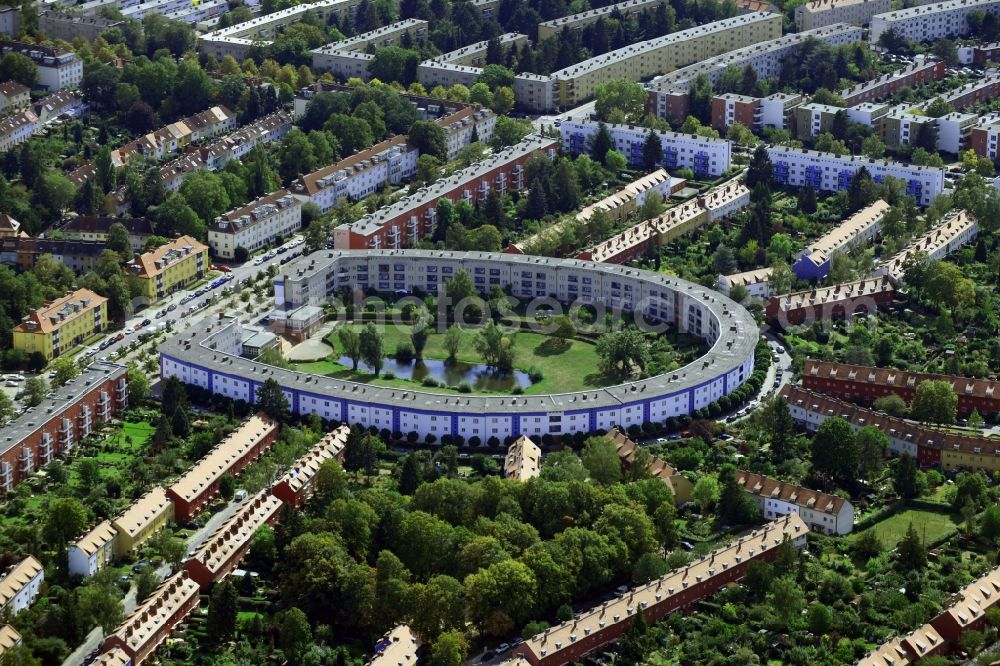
[(930, 525), (565, 365)]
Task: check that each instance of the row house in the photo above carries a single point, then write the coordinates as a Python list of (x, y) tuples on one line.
[(929, 446), (228, 545), (297, 484), (51, 429), (864, 385), (20, 585), (885, 86), (412, 218), (822, 512), (154, 619), (591, 631), (626, 448), (814, 261), (645, 237), (941, 241), (839, 301), (200, 484)]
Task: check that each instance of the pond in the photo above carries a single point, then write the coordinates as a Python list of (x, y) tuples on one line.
[(479, 377)]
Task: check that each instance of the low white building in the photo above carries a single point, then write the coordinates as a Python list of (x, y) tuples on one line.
[(93, 550), (755, 282), (822, 512), (360, 175), (19, 587), (705, 156), (17, 128), (797, 167), (58, 68), (255, 225)]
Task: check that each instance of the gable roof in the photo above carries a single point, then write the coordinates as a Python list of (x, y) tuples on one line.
[(807, 498)]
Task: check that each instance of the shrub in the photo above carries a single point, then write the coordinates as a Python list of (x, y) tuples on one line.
[(517, 390), (430, 439), (412, 436), (430, 381), (464, 387), (388, 374), (535, 375), (475, 441), (493, 442), (404, 352)]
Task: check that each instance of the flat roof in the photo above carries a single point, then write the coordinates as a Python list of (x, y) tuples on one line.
[(523, 460), (35, 418), (738, 335), (361, 41), (933, 8), (398, 647)]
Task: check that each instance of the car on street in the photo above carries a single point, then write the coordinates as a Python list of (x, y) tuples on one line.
[(129, 331), (501, 649)]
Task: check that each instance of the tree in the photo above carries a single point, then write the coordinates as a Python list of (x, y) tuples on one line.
[(910, 551), (600, 143), (649, 566), (273, 401), (66, 520), (501, 596), (872, 444), (449, 649), (619, 352), (508, 131), (761, 169), (600, 457), (294, 634), (620, 94), (652, 151), (989, 526), (706, 492), (820, 619), (118, 240), (453, 341), (873, 147), (98, 604), (892, 404), (503, 100), (20, 68), (6, 408), (220, 623), (786, 599), (495, 348), (835, 450), (350, 344), (65, 369), (904, 478), (206, 194), (934, 402), (145, 583), (429, 139), (372, 351), (35, 390), (394, 64)]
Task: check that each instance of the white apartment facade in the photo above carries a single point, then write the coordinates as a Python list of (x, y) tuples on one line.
[(756, 282), (821, 13), (797, 167), (926, 23), (17, 128), (93, 551), (255, 225), (20, 586), (705, 156)]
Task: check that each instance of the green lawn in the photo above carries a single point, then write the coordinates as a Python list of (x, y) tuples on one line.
[(565, 366), (929, 524)]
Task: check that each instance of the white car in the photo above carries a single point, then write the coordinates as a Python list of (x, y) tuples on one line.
[(129, 331)]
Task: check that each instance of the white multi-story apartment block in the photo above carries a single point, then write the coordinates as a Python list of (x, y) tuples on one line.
[(766, 59), (255, 225), (640, 61), (926, 23), (360, 175), (822, 512), (238, 39), (819, 13), (19, 587), (348, 57), (797, 167), (583, 19), (93, 550), (57, 67), (703, 155)]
